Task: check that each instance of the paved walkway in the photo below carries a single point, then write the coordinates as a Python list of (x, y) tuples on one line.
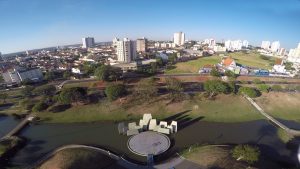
[(177, 162), (272, 119)]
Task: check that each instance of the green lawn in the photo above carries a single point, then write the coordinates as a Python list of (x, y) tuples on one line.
[(250, 59), (226, 108), (193, 66), (281, 105)]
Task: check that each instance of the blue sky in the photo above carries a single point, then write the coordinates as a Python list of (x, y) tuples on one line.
[(29, 24)]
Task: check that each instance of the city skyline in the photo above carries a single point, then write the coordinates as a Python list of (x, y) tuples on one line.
[(66, 22)]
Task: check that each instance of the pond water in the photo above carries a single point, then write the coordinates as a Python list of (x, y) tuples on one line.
[(44, 138)]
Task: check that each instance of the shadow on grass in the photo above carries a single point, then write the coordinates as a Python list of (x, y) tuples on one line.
[(183, 119)]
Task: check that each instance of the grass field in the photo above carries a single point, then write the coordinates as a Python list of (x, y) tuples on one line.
[(252, 59), (281, 105), (249, 59), (78, 159), (226, 108)]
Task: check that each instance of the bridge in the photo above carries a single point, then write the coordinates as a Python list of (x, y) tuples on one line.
[(20, 126), (272, 119)]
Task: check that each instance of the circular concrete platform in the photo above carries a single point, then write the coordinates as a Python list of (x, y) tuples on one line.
[(149, 142)]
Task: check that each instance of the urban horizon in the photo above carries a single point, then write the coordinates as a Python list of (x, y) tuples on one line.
[(65, 22)]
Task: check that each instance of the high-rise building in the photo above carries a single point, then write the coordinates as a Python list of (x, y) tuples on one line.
[(281, 52), (141, 45), (114, 42), (265, 45), (179, 38), (1, 56), (126, 50), (88, 42), (275, 46), (245, 43), (299, 46), (234, 45)]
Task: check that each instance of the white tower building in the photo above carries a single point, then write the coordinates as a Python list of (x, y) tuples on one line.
[(179, 38), (265, 45), (126, 50), (275, 46), (88, 42)]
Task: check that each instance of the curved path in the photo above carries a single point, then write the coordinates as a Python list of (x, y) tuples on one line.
[(272, 119), (120, 160)]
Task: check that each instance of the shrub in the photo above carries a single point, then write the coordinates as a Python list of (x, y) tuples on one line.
[(215, 87), (263, 88), (230, 73), (251, 92), (114, 91), (26, 104), (39, 107), (215, 72), (257, 81), (72, 95), (246, 153), (276, 88)]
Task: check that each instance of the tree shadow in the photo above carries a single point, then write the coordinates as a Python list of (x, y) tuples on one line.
[(175, 116), (183, 119)]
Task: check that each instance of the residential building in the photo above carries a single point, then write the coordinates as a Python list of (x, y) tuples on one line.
[(279, 66), (157, 45), (275, 46), (210, 42), (179, 38), (294, 55), (18, 75), (234, 45), (281, 52), (141, 45), (219, 48), (229, 63), (88, 42), (126, 50), (114, 42), (245, 44), (265, 45)]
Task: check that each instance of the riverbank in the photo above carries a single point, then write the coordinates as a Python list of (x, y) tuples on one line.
[(8, 147)]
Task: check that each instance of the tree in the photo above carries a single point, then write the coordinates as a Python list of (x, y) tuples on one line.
[(45, 90), (72, 95), (214, 87), (251, 92), (3, 96), (175, 87), (172, 58), (159, 61), (67, 74), (230, 73), (27, 91), (246, 153), (114, 91), (215, 72), (40, 106), (263, 88), (108, 73), (276, 88), (49, 76), (146, 89)]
